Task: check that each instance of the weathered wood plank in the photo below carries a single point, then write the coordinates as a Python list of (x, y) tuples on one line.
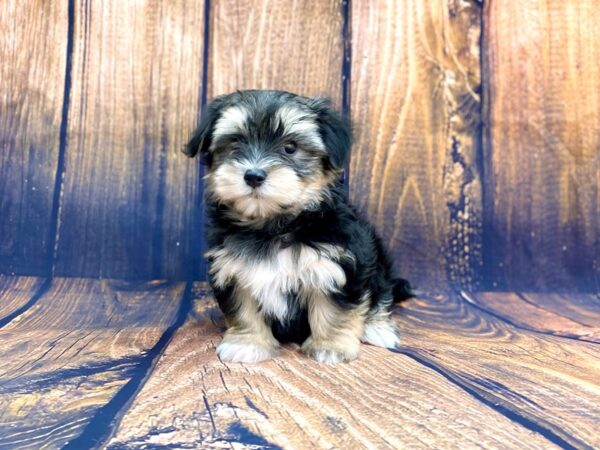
[(546, 382), (462, 359), (293, 45), (130, 201), (415, 106), (542, 143), (67, 355), (15, 293), (382, 400), (582, 308), (32, 76), (543, 314)]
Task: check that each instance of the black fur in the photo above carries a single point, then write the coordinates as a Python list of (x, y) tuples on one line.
[(335, 222), (335, 132), (332, 221)]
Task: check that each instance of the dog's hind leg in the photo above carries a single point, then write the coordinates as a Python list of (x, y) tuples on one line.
[(380, 330), (335, 331)]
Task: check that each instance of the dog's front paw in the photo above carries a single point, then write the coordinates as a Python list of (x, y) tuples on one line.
[(329, 353), (235, 349)]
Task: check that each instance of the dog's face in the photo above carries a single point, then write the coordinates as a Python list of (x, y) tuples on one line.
[(269, 152)]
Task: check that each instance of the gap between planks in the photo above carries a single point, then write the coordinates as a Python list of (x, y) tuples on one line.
[(462, 377), (80, 373), (75, 357)]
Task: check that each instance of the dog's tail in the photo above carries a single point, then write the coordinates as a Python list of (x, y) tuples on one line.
[(402, 290)]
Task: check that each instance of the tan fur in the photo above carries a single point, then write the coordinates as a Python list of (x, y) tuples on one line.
[(263, 283), (335, 332), (282, 191), (248, 338)]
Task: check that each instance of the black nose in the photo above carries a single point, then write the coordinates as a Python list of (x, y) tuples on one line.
[(255, 177)]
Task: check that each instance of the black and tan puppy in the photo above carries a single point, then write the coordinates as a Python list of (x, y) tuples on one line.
[(290, 260)]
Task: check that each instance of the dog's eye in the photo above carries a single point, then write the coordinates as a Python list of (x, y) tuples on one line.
[(235, 145), (290, 148)]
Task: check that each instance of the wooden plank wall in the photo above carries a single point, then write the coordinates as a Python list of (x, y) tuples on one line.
[(293, 45), (129, 197), (114, 198), (33, 49), (415, 103), (542, 144)]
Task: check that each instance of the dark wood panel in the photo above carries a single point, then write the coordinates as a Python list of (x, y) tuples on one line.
[(33, 46), (415, 105), (542, 144), (293, 45), (68, 355), (130, 201), (382, 400)]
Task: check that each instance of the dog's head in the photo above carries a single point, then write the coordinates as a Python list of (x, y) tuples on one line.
[(270, 152)]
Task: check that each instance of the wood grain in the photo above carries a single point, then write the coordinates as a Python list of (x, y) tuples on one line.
[(382, 400), (582, 308), (293, 45), (546, 382), (415, 106), (67, 355), (130, 201), (32, 76), (473, 370), (16, 292), (538, 312), (542, 143)]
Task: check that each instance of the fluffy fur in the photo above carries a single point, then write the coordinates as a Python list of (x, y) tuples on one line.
[(290, 259)]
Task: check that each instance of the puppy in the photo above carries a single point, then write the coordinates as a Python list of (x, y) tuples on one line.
[(290, 259)]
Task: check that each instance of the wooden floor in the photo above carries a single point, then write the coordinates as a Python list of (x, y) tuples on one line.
[(95, 363)]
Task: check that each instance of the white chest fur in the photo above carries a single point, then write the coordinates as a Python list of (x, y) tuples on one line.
[(296, 269)]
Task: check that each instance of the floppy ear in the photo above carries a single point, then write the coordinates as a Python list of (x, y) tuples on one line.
[(202, 137), (335, 131)]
